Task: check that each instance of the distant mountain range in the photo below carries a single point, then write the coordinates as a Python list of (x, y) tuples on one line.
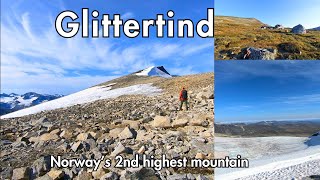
[(316, 29), (269, 128), (13, 102)]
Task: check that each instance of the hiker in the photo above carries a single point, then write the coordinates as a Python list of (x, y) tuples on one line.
[(183, 98)]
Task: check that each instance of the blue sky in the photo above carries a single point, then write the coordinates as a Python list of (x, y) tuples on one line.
[(35, 58), (247, 91), (272, 12)]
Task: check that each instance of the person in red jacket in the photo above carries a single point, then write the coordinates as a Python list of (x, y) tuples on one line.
[(183, 98)]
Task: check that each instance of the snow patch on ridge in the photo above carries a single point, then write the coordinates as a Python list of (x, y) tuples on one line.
[(21, 101), (87, 96)]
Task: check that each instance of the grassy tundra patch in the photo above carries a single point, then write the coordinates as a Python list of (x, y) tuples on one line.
[(232, 34)]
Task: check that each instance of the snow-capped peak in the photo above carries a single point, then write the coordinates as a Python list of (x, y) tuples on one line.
[(154, 71)]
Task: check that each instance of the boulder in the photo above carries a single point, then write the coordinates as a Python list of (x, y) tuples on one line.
[(84, 136), (259, 54), (110, 176), (200, 156), (66, 134), (84, 175), (48, 137), (132, 124), (76, 146), (21, 173), (199, 119), (118, 150), (55, 174), (114, 133), (144, 136), (127, 133), (279, 26), (100, 172), (41, 166), (299, 29), (55, 131), (180, 121), (161, 122)]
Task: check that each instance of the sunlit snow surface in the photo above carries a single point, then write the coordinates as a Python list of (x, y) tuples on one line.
[(270, 157), (86, 96)]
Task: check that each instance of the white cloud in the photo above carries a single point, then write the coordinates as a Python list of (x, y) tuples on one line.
[(31, 52)]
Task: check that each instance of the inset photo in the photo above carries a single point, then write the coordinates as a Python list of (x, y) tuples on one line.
[(267, 30), (268, 113)]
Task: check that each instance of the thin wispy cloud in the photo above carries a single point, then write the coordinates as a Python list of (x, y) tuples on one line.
[(284, 69), (302, 99)]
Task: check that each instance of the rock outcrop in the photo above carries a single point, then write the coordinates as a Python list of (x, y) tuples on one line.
[(258, 54), (279, 26), (299, 29)]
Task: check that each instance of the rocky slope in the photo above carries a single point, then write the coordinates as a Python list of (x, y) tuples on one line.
[(126, 125), (235, 35)]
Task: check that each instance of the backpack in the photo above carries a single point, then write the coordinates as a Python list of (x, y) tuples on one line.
[(184, 94)]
